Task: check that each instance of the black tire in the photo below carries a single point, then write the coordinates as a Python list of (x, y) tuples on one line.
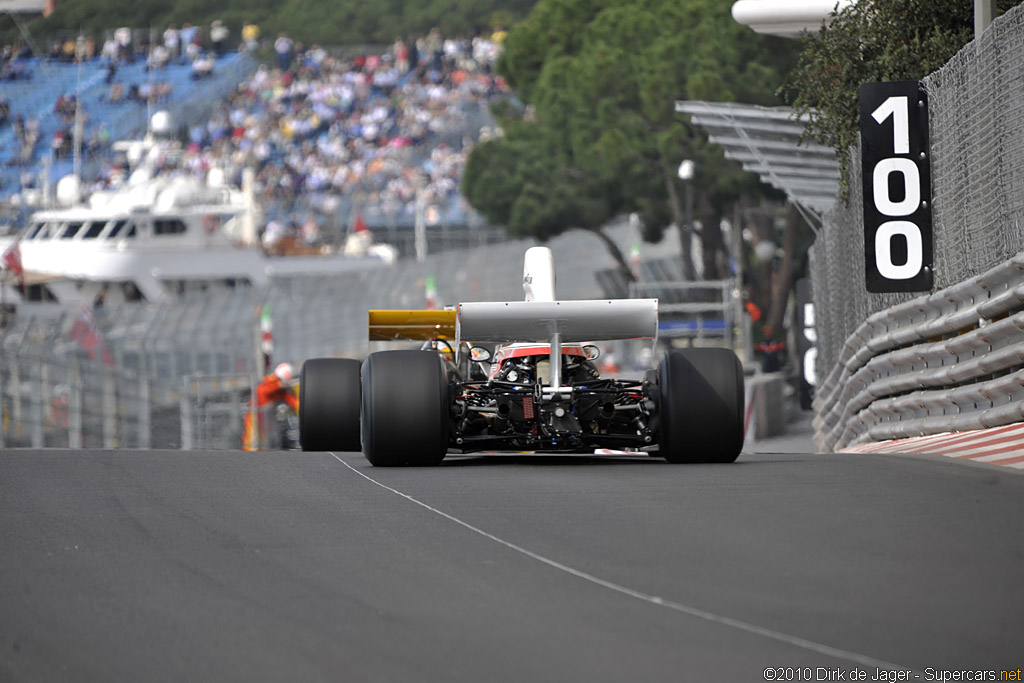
[(701, 405), (405, 408), (329, 400)]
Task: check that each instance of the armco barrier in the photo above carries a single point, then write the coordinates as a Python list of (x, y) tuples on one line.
[(948, 360)]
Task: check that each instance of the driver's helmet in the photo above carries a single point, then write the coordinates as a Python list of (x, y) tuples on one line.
[(441, 347), (285, 372)]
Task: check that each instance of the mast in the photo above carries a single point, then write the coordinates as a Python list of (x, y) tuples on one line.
[(77, 135)]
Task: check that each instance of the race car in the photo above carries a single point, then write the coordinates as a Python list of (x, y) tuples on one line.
[(541, 391)]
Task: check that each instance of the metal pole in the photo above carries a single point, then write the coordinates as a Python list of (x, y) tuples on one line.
[(744, 320), (37, 408), (74, 406), (17, 414), (984, 13), (3, 406), (187, 433), (689, 222), (109, 409), (420, 228), (145, 437)]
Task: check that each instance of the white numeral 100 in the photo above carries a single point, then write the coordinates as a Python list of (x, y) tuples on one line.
[(898, 108)]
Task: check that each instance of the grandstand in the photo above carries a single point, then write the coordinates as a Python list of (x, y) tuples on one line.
[(34, 92), (305, 132)]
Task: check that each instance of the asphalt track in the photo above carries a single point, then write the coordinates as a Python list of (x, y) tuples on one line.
[(232, 566)]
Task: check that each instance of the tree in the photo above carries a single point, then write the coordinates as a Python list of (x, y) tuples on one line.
[(601, 78), (872, 41)]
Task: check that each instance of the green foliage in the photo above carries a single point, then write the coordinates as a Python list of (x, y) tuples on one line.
[(602, 78), (872, 41), (328, 22)]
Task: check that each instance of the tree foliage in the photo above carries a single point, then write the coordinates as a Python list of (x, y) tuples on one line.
[(601, 78), (328, 22), (872, 41)]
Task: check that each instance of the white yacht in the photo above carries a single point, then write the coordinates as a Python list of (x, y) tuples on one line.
[(156, 237)]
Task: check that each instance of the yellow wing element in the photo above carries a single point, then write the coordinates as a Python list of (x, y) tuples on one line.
[(390, 325)]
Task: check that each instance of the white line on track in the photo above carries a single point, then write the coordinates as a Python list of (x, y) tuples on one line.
[(796, 641)]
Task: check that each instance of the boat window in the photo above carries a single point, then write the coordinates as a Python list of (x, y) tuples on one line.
[(39, 293), (168, 227), (44, 231), (70, 231), (34, 230), (131, 292), (118, 227), (94, 230), (131, 231)]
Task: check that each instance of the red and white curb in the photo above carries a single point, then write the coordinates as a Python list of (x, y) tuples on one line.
[(996, 446)]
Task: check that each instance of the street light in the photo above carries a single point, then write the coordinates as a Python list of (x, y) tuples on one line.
[(686, 170), (686, 173)]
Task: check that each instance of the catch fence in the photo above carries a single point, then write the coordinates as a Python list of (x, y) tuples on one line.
[(976, 125), (179, 374)]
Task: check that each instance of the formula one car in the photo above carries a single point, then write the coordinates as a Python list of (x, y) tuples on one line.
[(542, 392)]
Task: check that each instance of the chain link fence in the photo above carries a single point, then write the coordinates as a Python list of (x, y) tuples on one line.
[(179, 375), (976, 121)]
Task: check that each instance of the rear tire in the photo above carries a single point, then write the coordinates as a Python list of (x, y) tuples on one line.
[(701, 405), (329, 398), (405, 408)]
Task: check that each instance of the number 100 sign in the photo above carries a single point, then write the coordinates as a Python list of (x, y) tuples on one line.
[(897, 187)]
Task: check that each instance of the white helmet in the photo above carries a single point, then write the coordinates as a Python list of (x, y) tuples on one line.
[(285, 372)]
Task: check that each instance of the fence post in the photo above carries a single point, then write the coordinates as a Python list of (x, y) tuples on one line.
[(4, 420), (17, 414), (36, 407), (145, 436), (109, 409), (74, 405), (187, 431)]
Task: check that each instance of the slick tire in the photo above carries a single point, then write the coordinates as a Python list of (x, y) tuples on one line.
[(405, 409), (701, 405), (329, 402)]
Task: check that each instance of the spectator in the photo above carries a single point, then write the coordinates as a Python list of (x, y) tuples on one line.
[(194, 48), (172, 41), (68, 51), (109, 51), (159, 57), (283, 47), (123, 39), (187, 37), (250, 36), (202, 66), (219, 36)]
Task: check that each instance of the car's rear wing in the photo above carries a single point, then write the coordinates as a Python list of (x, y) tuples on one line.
[(572, 321), (389, 325), (557, 322)]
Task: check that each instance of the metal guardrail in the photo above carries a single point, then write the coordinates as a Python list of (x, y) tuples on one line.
[(948, 360), (898, 365)]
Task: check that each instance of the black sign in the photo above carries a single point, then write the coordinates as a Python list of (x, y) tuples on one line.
[(897, 187)]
